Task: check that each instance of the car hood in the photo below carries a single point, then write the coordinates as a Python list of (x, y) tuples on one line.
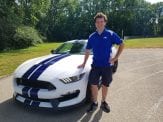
[(49, 68)]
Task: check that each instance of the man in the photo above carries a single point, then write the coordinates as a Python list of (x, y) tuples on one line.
[(101, 42)]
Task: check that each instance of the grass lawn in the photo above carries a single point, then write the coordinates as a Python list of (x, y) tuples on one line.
[(144, 43), (11, 59)]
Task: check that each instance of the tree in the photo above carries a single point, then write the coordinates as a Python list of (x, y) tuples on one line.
[(61, 20), (32, 10), (158, 9), (8, 22), (160, 23)]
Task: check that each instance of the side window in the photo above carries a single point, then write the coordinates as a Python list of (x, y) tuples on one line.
[(65, 48), (76, 48)]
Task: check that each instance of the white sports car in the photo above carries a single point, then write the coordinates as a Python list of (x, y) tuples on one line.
[(54, 81)]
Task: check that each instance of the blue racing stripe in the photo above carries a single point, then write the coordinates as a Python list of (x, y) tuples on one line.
[(27, 101), (38, 72), (41, 69), (35, 103), (30, 70), (25, 76), (25, 91), (34, 92)]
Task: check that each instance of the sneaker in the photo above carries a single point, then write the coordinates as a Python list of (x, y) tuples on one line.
[(93, 107), (105, 107)]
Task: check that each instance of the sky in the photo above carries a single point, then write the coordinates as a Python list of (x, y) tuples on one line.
[(154, 1)]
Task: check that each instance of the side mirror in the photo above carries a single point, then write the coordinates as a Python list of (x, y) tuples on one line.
[(52, 51)]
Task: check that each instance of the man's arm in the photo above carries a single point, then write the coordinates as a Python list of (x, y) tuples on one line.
[(87, 53), (120, 49)]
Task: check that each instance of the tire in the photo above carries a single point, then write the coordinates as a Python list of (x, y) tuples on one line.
[(115, 66)]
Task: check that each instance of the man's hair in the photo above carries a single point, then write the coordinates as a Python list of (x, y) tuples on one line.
[(100, 15)]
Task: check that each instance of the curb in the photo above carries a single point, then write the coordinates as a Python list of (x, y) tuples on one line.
[(5, 76)]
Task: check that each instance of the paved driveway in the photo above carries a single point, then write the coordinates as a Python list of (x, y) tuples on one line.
[(135, 95)]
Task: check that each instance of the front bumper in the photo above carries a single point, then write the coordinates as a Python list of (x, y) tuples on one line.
[(47, 103), (65, 95)]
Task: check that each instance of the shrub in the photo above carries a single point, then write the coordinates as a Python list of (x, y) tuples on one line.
[(24, 37)]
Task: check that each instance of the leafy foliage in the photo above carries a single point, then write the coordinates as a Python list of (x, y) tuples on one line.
[(25, 37), (61, 20)]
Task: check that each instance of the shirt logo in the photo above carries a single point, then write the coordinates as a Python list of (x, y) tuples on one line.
[(105, 37)]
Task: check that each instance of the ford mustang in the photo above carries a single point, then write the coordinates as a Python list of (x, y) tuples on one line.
[(54, 81)]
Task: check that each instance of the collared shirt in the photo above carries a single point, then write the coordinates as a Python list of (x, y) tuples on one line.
[(101, 45)]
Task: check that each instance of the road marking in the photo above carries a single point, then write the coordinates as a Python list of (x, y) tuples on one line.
[(92, 116), (153, 109)]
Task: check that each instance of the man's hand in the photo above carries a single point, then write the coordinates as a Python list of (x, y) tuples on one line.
[(113, 60), (87, 52), (120, 48), (81, 65)]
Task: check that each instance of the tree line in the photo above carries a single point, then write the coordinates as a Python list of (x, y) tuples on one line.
[(27, 22)]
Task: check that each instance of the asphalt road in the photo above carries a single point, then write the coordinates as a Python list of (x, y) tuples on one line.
[(135, 95)]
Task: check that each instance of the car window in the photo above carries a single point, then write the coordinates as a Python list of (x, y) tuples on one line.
[(64, 48), (70, 47)]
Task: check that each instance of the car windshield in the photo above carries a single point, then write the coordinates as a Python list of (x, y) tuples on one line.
[(71, 47)]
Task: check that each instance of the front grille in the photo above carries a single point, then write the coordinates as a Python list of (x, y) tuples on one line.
[(64, 97), (35, 84), (69, 96)]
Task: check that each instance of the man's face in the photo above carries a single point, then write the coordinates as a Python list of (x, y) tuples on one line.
[(100, 23)]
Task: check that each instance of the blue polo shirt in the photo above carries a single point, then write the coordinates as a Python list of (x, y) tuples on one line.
[(101, 45)]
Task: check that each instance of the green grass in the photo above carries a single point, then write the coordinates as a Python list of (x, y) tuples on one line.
[(11, 59), (144, 43)]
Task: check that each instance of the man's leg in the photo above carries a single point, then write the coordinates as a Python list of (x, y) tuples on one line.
[(106, 80), (104, 92), (104, 104), (94, 91), (94, 77)]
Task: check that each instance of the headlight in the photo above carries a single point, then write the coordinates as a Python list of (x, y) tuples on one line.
[(72, 79)]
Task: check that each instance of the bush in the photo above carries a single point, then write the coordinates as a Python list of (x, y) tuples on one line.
[(24, 37)]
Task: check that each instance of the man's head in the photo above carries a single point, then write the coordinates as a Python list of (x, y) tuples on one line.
[(100, 21)]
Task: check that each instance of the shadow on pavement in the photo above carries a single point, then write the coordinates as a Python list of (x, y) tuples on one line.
[(96, 117), (14, 112)]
